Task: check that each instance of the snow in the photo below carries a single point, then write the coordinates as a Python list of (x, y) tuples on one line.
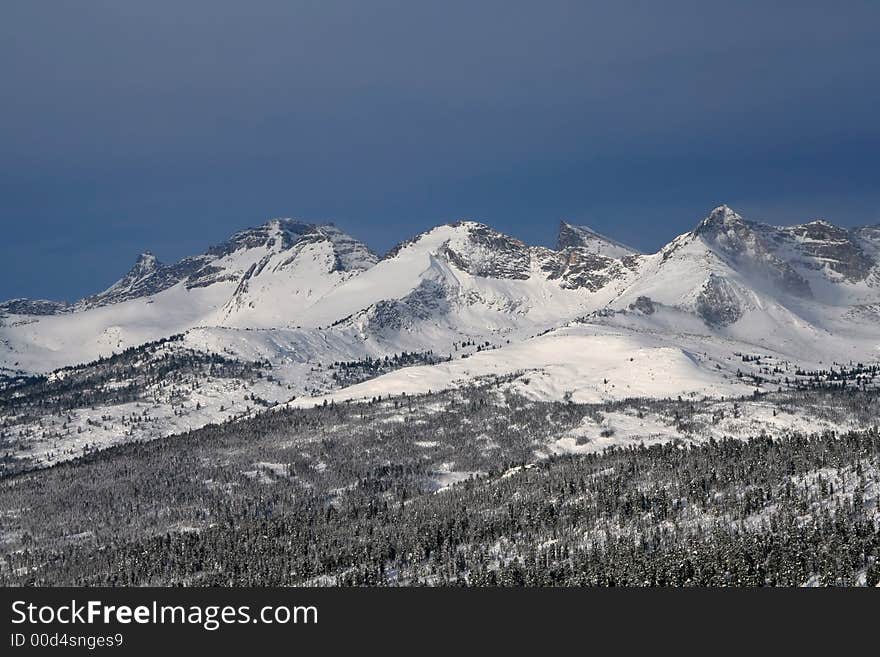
[(302, 297), (583, 363), (445, 477), (255, 286), (308, 310), (162, 411), (712, 419)]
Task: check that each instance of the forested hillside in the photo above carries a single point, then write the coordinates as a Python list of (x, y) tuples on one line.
[(458, 488)]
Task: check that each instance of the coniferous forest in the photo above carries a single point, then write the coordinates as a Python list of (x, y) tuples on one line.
[(456, 489)]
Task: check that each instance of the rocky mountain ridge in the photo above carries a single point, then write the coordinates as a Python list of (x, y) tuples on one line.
[(464, 281)]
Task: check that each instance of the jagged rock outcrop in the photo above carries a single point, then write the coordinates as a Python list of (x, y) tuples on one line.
[(718, 303), (147, 277), (824, 245), (32, 307), (429, 301), (488, 253), (643, 305)]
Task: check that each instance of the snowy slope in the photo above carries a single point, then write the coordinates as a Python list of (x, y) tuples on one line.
[(585, 363), (259, 277), (302, 296), (727, 309), (465, 279), (803, 294), (759, 285), (277, 290), (455, 283)]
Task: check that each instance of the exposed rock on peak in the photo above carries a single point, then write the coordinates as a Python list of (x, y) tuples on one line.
[(274, 234), (474, 248), (488, 253), (146, 277), (583, 237), (235, 259), (721, 219), (146, 263), (824, 246), (746, 244), (465, 278)]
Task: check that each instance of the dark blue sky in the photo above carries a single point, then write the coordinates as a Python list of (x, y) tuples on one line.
[(167, 125)]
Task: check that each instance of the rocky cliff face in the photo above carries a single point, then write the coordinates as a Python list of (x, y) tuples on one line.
[(484, 252), (821, 246)]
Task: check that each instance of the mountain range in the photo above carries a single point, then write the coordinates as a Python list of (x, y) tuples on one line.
[(289, 291), (296, 314)]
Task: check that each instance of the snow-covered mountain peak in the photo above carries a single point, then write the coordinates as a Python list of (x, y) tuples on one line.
[(468, 225), (276, 234), (146, 277), (282, 268), (819, 229), (145, 264), (283, 234), (722, 218), (869, 233), (482, 251), (789, 254), (350, 254), (838, 253), (752, 249), (471, 247), (287, 224), (584, 237), (459, 281)]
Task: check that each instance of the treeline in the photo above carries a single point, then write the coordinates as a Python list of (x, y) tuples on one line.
[(347, 373), (856, 375)]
